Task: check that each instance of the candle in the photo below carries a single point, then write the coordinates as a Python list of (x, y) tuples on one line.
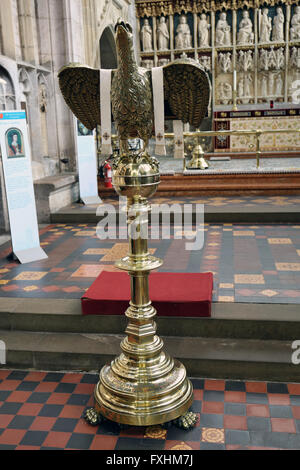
[(234, 80)]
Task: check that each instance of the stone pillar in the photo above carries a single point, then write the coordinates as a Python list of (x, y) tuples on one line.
[(234, 52), (67, 46), (154, 37), (287, 52), (213, 59), (196, 34), (8, 19), (43, 32), (256, 38), (28, 33), (171, 19)]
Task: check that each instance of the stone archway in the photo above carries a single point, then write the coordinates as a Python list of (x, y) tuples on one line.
[(108, 51)]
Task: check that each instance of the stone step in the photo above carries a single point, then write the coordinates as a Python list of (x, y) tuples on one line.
[(236, 214), (228, 320), (203, 357)]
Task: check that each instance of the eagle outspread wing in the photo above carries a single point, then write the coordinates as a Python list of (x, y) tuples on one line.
[(80, 86), (187, 91)]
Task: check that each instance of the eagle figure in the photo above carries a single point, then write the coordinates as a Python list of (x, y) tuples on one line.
[(185, 82)]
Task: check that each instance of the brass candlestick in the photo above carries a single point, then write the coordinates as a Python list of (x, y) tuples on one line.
[(144, 385), (198, 161)]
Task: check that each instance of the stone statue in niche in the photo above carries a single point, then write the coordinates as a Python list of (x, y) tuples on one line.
[(225, 92), (241, 87), (223, 31), (244, 85), (205, 61), (276, 58), (43, 98), (272, 59), (264, 60), (264, 86), (271, 84), (247, 84), (279, 59), (163, 35), (245, 34), (163, 62), (295, 25), (225, 63), (183, 38), (147, 63), (203, 28), (265, 26), (245, 61), (278, 86), (278, 26), (295, 57), (146, 36)]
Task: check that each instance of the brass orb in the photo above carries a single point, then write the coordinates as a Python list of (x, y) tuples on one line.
[(136, 175)]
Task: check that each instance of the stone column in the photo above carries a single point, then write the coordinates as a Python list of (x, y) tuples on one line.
[(196, 35), (256, 38), (28, 31), (67, 46), (213, 59), (43, 31), (287, 52), (154, 38), (234, 52), (171, 20), (8, 25)]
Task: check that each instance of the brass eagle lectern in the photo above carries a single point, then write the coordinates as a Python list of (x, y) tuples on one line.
[(144, 385)]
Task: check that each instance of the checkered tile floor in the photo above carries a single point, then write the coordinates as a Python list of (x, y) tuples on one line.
[(40, 410), (251, 263)]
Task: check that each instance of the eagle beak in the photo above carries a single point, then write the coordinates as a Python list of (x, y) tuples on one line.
[(122, 27)]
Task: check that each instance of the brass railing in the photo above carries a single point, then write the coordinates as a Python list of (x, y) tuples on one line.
[(257, 133)]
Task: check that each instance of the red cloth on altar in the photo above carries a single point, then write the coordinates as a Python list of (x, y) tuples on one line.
[(172, 294)]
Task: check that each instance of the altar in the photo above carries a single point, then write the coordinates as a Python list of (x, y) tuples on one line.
[(251, 52)]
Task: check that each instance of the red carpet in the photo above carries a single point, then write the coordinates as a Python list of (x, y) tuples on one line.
[(172, 294)]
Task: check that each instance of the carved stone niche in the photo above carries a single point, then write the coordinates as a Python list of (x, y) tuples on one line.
[(271, 59), (295, 25), (147, 63), (183, 37), (245, 33), (245, 87), (225, 62), (223, 31), (162, 61), (205, 61), (204, 31), (224, 92), (295, 57), (146, 36), (163, 34), (245, 61)]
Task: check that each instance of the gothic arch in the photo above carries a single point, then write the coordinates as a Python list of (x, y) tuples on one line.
[(108, 51)]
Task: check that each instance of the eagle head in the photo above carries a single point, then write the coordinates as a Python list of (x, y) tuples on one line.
[(124, 36)]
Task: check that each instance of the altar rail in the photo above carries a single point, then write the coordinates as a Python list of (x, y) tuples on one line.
[(257, 133)]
